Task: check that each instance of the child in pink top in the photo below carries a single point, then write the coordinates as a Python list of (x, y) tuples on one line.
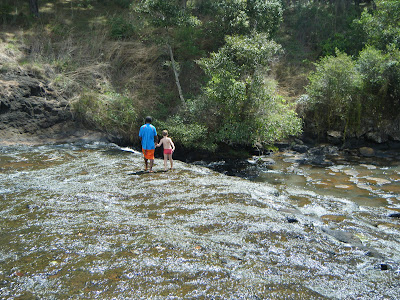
[(169, 148)]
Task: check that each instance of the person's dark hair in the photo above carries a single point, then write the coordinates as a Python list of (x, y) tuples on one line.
[(148, 119)]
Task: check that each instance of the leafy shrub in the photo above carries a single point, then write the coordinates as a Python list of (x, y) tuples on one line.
[(120, 3), (186, 39), (237, 106), (325, 26), (5, 12), (120, 28), (237, 17), (380, 74), (334, 94), (382, 24), (111, 112), (190, 135)]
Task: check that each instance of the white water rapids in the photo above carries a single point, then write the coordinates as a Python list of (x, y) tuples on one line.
[(82, 222)]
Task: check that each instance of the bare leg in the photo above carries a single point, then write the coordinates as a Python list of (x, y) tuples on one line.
[(165, 161), (145, 164), (170, 160), (151, 165)]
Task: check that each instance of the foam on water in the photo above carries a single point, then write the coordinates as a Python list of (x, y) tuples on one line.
[(81, 221)]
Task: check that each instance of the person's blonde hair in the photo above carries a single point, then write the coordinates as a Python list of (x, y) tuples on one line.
[(165, 132)]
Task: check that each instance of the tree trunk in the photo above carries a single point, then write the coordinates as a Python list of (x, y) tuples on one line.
[(184, 4), (34, 7), (178, 84)]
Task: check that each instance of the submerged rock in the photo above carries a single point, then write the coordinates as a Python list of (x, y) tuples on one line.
[(367, 151), (343, 236), (351, 239), (266, 161), (292, 220), (300, 148), (378, 181), (384, 267)]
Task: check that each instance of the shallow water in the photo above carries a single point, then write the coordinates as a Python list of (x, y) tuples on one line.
[(369, 181), (81, 222)]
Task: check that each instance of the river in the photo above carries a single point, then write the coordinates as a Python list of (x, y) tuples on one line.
[(80, 221)]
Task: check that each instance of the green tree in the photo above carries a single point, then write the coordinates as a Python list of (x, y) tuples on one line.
[(168, 15), (230, 17), (334, 94), (382, 25), (264, 15), (380, 73), (237, 105)]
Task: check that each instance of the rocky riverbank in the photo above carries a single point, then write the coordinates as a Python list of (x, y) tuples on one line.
[(32, 112)]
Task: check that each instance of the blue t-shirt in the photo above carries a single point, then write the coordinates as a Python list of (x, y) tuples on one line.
[(147, 132)]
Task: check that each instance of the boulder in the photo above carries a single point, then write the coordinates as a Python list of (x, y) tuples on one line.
[(300, 148), (334, 137), (28, 105), (377, 137), (367, 151), (266, 161)]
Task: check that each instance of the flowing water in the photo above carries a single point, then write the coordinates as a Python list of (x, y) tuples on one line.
[(82, 222)]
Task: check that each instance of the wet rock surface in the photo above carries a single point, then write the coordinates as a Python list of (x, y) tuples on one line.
[(84, 221), (31, 112), (28, 104)]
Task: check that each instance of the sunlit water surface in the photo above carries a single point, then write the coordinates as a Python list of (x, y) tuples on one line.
[(82, 222)]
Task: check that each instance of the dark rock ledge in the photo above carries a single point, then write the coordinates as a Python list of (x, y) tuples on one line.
[(31, 112)]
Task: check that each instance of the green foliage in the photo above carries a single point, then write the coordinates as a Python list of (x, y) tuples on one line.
[(5, 11), (231, 17), (187, 42), (119, 3), (334, 93), (121, 28), (190, 135), (110, 112), (324, 26), (241, 56), (236, 104), (380, 73), (344, 94), (163, 13), (383, 24), (342, 90), (264, 15)]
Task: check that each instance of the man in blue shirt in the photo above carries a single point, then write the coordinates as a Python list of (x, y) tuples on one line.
[(148, 137)]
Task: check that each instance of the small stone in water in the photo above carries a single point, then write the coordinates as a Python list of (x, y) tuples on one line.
[(378, 181), (384, 267), (291, 220), (342, 186)]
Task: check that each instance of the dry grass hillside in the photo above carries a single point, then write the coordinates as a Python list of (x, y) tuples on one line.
[(71, 46), (106, 63)]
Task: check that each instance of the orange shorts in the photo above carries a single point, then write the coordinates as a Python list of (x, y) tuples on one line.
[(148, 154)]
